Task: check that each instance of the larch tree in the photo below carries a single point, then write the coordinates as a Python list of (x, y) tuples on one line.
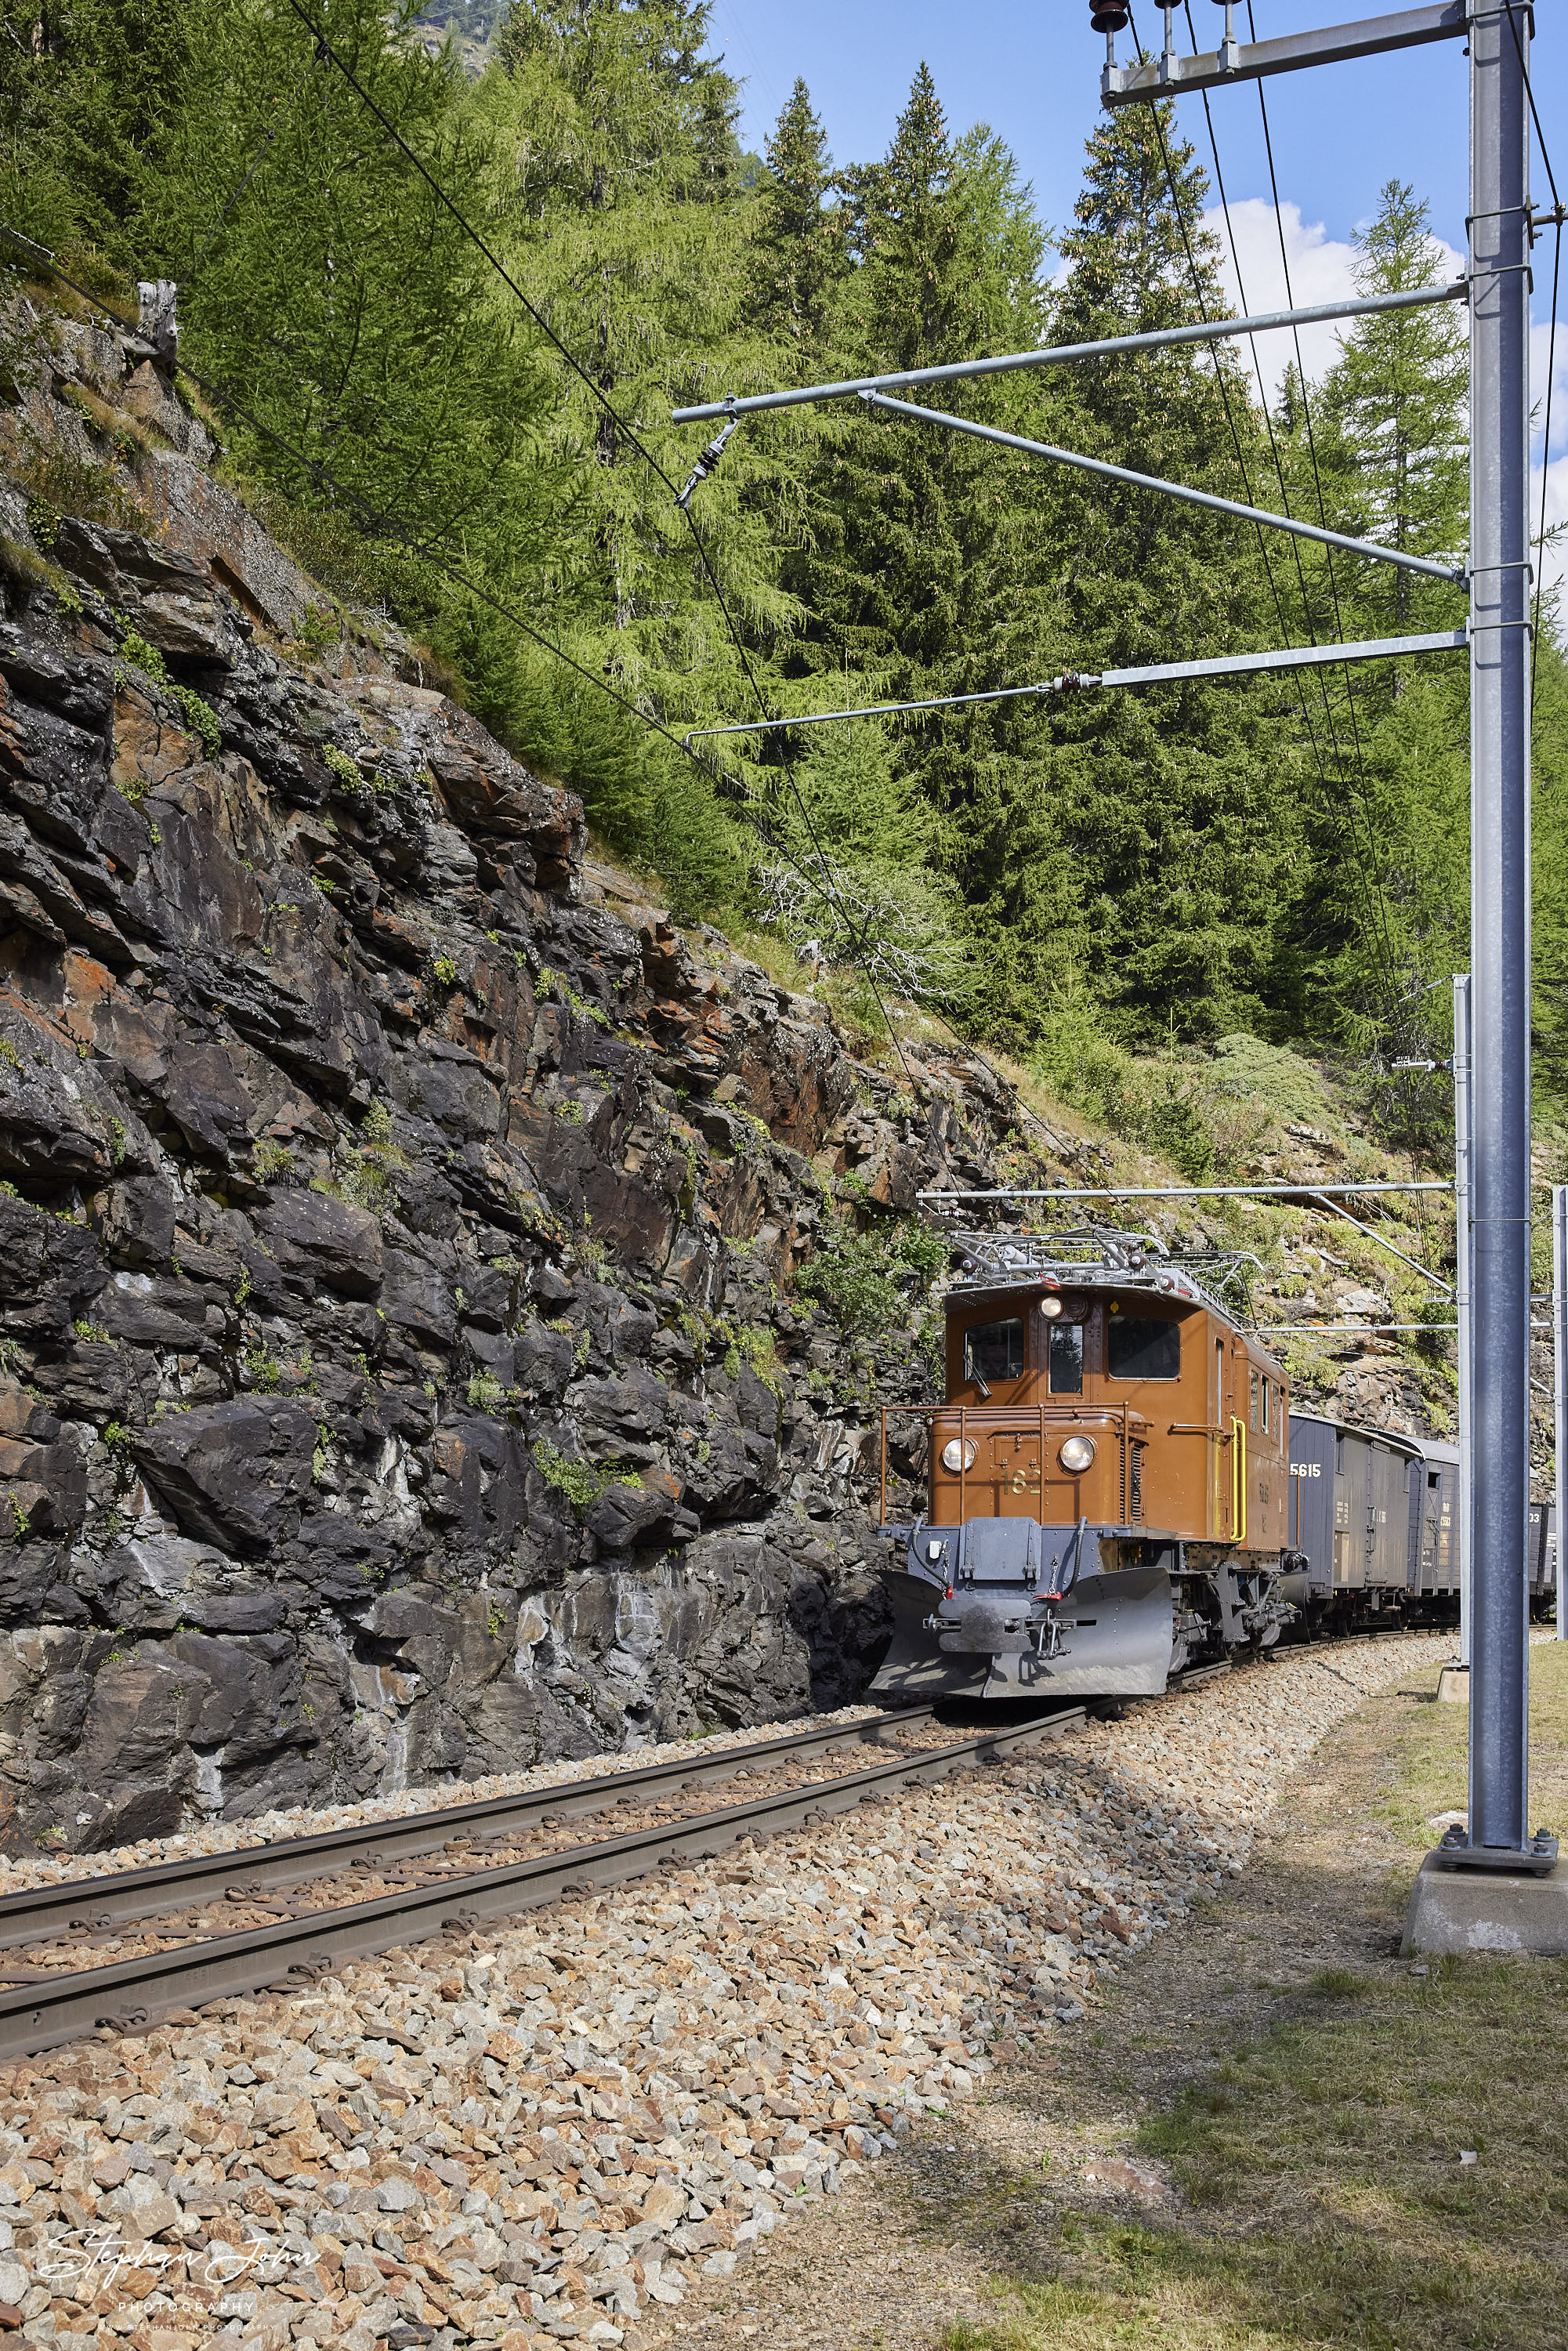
[(1391, 442), (1181, 804)]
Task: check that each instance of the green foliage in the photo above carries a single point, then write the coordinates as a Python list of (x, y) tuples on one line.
[(82, 86), (342, 768), (200, 716), (841, 876), (867, 1279), (1109, 872), (579, 1481)]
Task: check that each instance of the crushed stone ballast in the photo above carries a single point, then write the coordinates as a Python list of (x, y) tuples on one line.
[(555, 2129), (296, 1946)]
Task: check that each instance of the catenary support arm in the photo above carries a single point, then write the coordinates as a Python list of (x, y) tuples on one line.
[(1367, 547), (1445, 641), (1207, 331)]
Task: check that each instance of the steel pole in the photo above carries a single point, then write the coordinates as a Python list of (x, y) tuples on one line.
[(1463, 1220), (1558, 1380), (1499, 918)]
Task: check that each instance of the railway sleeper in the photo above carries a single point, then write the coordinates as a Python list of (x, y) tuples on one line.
[(39, 2009)]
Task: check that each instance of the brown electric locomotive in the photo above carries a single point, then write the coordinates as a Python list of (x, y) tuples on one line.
[(1108, 1479)]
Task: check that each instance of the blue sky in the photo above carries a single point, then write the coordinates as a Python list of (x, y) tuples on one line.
[(1032, 73)]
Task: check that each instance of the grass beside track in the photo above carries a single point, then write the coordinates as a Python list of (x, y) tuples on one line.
[(1323, 2202)]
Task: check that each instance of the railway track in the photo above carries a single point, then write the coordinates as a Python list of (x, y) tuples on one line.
[(311, 1902)]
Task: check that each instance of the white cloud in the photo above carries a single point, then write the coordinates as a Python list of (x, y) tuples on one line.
[(1555, 570), (1322, 270)]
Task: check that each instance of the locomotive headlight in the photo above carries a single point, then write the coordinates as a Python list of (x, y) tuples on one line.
[(1051, 1308), (1077, 1454), (955, 1458)]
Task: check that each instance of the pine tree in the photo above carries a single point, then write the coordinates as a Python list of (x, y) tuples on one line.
[(1183, 803), (335, 299), (1393, 408), (800, 257), (924, 571), (626, 212), (1392, 428), (83, 95)]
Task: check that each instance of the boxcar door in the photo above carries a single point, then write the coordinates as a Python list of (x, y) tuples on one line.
[(1346, 1463)]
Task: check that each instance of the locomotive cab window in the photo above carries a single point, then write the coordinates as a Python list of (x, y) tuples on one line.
[(1067, 1359), (994, 1351), (1143, 1349)]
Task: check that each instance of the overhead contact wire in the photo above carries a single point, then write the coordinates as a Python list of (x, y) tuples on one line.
[(1380, 900), (1224, 391)]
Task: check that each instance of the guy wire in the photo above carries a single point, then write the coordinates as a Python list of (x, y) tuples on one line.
[(1381, 900), (1347, 820)]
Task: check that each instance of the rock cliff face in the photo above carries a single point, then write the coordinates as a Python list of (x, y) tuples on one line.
[(403, 1371)]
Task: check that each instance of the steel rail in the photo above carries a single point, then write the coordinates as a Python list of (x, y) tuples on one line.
[(294, 1951), (37, 1912), (1455, 576), (1209, 331)]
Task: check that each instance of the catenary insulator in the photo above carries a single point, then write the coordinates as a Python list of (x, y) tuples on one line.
[(1107, 15)]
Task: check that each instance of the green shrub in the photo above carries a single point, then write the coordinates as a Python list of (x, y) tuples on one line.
[(200, 716), (579, 1481), (867, 1280), (344, 768)]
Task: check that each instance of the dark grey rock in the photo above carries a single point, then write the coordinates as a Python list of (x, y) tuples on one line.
[(308, 1490)]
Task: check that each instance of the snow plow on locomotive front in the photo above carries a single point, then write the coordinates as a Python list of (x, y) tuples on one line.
[(1106, 1481)]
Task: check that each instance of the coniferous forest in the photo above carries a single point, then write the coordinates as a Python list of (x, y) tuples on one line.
[(481, 448)]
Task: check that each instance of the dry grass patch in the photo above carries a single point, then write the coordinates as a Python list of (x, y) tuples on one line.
[(1321, 2199)]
